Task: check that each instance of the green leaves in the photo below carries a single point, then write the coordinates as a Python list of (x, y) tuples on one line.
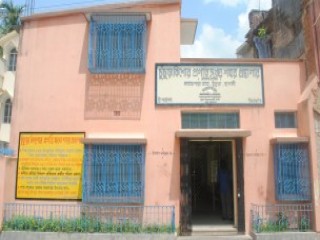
[(11, 20), (262, 32), (82, 224)]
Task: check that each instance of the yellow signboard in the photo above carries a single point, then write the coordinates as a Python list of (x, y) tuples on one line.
[(50, 166)]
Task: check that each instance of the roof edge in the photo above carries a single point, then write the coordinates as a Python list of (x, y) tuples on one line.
[(238, 60), (99, 8)]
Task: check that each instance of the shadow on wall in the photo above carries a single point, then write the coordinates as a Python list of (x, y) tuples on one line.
[(174, 193), (270, 187)]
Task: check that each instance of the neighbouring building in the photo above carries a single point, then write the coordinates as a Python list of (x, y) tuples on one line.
[(107, 113), (9, 44), (284, 34)]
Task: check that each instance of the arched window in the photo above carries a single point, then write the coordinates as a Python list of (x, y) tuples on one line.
[(12, 60), (7, 111)]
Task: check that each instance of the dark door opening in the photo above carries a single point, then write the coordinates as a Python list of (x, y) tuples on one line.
[(212, 182)]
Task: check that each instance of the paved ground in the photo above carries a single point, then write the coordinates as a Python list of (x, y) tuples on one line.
[(75, 236)]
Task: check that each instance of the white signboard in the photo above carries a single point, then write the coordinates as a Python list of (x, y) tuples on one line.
[(209, 84)]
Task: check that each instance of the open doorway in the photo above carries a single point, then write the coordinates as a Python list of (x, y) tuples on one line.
[(212, 182)]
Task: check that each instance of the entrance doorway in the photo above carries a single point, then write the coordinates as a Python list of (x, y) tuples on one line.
[(200, 199), (212, 182)]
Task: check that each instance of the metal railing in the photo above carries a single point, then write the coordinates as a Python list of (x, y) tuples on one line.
[(281, 218), (89, 218)]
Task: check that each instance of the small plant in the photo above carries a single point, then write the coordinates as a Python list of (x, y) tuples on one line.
[(83, 225), (304, 224), (257, 224), (262, 32), (281, 224), (269, 227), (282, 221)]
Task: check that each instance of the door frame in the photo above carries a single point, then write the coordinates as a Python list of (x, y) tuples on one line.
[(185, 183)]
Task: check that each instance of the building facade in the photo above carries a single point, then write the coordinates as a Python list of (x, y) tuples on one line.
[(108, 113)]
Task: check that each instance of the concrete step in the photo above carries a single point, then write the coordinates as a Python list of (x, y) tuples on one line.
[(214, 230), (230, 237), (203, 234)]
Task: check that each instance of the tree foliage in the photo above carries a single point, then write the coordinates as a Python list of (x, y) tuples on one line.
[(11, 17)]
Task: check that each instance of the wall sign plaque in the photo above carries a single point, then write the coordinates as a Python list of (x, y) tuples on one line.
[(209, 84)]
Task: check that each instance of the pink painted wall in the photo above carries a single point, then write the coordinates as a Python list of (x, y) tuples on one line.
[(2, 186), (50, 96), (7, 182)]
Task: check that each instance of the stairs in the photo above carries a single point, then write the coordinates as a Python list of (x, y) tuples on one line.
[(235, 237), (214, 232)]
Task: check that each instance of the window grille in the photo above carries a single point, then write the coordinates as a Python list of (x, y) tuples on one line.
[(285, 120), (292, 174), (210, 120), (7, 111), (113, 173), (117, 44), (13, 60)]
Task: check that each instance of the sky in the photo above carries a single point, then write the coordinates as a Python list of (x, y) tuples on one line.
[(222, 24)]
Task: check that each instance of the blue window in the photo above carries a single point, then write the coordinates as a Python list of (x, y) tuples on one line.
[(117, 44), (285, 120), (292, 174), (210, 120), (113, 173)]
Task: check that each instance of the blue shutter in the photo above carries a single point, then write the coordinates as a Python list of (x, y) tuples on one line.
[(117, 44), (292, 173), (113, 173)]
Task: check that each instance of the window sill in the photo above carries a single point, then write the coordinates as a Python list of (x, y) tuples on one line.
[(125, 138), (289, 140), (212, 133)]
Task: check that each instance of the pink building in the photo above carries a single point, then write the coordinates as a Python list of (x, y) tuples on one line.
[(211, 137)]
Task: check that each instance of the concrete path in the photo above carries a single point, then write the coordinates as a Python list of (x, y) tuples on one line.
[(82, 236), (96, 236), (235, 237)]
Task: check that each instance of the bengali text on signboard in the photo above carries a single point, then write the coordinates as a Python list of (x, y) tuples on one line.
[(50, 166), (225, 84)]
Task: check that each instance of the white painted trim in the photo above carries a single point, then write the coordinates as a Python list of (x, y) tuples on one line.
[(147, 14), (125, 138), (188, 30), (212, 133), (289, 140)]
